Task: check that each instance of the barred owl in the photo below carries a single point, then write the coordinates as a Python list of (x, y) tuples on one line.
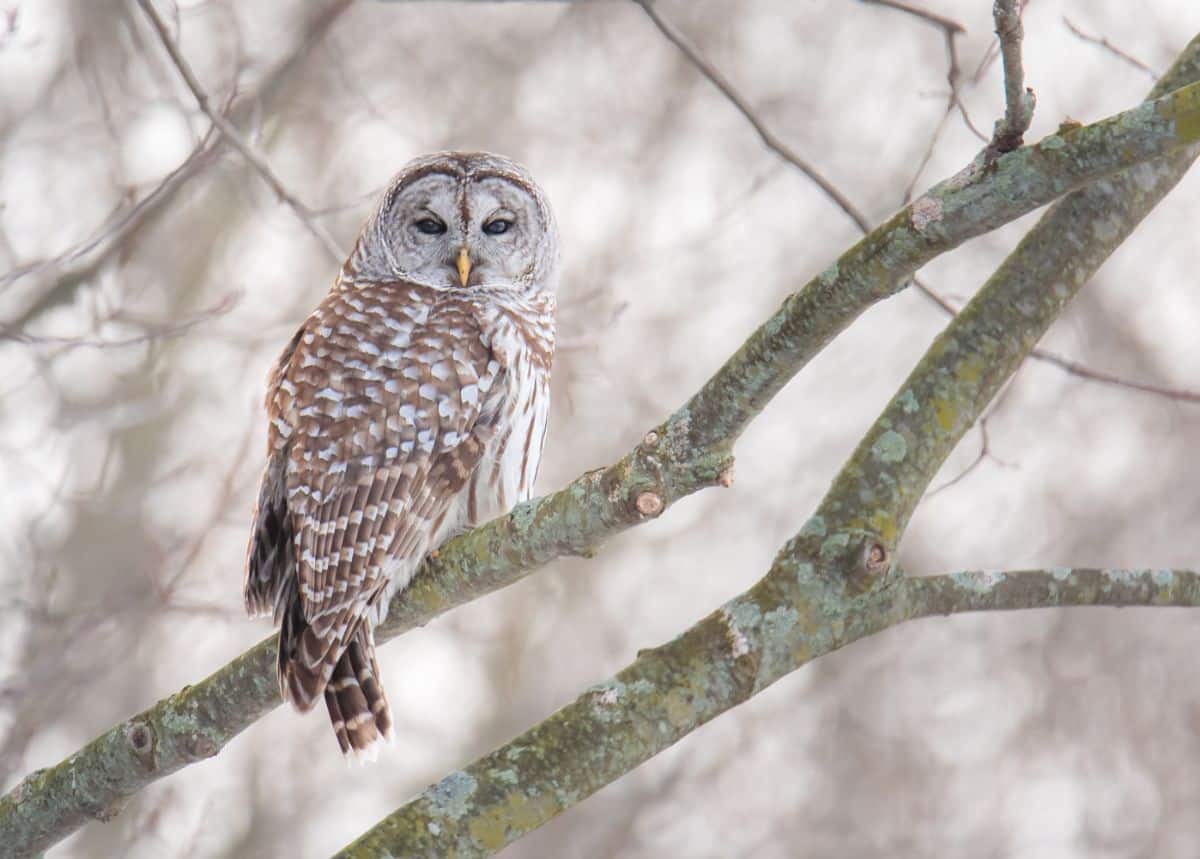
[(410, 405)]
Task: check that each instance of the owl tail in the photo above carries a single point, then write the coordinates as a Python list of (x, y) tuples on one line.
[(357, 705), (354, 696)]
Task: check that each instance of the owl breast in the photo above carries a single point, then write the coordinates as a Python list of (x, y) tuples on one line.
[(519, 331), (522, 338)]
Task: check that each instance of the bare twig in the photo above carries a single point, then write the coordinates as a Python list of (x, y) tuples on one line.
[(768, 137), (152, 332), (985, 447), (952, 27), (1111, 48), (1076, 369), (1019, 100), (230, 133)]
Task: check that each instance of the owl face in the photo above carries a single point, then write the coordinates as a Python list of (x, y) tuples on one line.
[(458, 221)]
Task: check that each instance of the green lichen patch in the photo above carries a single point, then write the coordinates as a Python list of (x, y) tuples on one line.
[(890, 447)]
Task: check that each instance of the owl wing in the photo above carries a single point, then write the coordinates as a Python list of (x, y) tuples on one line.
[(385, 423), (269, 585)]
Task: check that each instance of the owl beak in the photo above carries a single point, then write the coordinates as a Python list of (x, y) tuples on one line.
[(464, 265)]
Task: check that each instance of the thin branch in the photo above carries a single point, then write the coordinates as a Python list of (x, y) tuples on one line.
[(159, 331), (767, 136), (950, 30), (985, 452), (1019, 100), (230, 133), (689, 451), (835, 581), (1017, 590), (949, 25), (1111, 48), (1182, 395)]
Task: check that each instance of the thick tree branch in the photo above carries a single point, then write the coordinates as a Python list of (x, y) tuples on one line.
[(689, 451), (230, 133), (834, 582)]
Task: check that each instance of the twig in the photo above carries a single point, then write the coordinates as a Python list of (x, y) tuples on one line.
[(1111, 48), (767, 136), (230, 133), (83, 260), (950, 29), (1019, 100), (1075, 368), (985, 448), (949, 25), (160, 332)]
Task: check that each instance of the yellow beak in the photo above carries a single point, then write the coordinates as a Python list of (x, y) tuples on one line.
[(464, 265)]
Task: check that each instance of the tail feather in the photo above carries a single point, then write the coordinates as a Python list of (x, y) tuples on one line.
[(300, 681), (357, 705), (347, 674)]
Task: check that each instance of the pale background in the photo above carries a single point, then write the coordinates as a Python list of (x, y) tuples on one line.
[(129, 470)]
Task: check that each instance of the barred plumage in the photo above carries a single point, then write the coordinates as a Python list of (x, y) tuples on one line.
[(411, 404)]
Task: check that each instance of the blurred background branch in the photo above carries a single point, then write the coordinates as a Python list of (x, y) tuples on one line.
[(230, 133)]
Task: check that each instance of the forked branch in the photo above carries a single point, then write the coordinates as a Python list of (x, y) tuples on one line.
[(834, 582)]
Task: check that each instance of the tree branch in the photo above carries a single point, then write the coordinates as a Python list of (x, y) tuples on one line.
[(230, 133), (949, 25), (1019, 100), (687, 452), (1106, 45), (956, 593), (834, 582)]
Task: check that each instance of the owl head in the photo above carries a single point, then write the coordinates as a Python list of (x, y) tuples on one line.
[(459, 220)]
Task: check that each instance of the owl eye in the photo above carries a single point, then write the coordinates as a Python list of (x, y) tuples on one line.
[(497, 227), (430, 226)]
